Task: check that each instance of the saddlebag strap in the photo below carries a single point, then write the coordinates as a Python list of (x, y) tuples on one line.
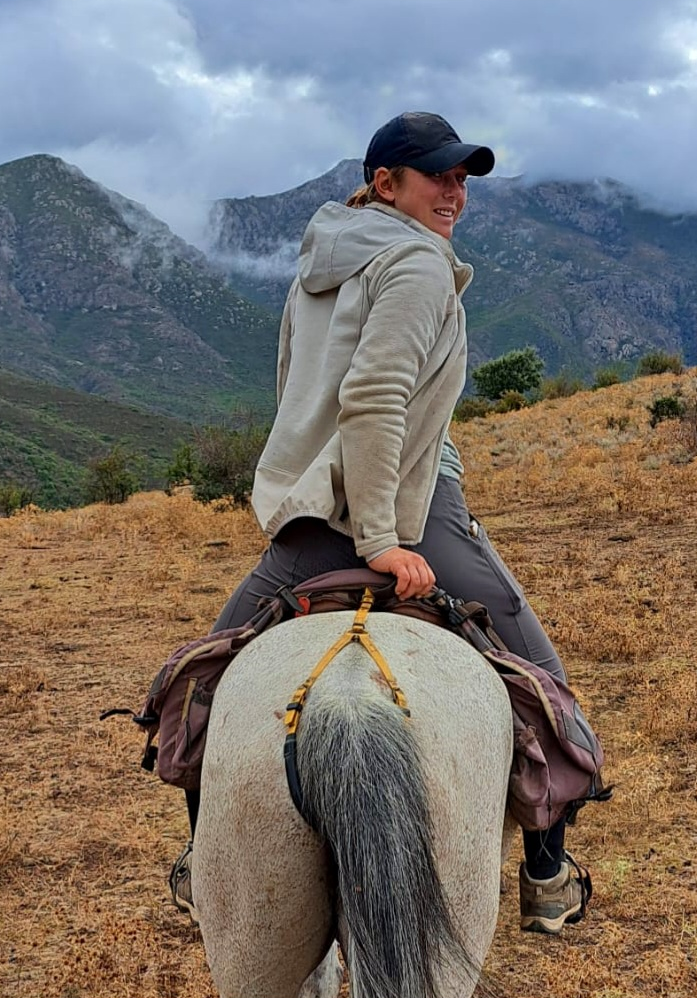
[(357, 633)]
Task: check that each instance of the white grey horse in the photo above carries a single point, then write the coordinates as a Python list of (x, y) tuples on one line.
[(405, 874)]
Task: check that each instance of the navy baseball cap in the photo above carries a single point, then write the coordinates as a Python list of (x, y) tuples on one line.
[(425, 142)]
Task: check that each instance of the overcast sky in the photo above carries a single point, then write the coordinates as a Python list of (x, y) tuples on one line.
[(175, 102)]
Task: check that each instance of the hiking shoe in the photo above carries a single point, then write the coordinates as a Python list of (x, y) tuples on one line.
[(545, 905), (180, 884)]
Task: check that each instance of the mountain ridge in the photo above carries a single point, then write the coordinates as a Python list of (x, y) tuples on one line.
[(98, 295), (585, 272)]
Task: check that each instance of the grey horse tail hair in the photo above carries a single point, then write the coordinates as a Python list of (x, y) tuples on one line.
[(364, 792)]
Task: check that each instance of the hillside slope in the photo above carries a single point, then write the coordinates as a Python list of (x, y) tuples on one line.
[(48, 435), (596, 513)]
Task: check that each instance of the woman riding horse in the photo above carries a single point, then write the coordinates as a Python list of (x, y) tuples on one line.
[(359, 467)]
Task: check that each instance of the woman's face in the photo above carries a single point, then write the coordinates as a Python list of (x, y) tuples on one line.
[(434, 199)]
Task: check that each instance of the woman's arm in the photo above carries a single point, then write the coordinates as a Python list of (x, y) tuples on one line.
[(410, 292)]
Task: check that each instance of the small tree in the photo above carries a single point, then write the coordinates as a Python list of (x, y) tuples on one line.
[(224, 462), (183, 467), (13, 497), (517, 371), (112, 479), (666, 407), (659, 362)]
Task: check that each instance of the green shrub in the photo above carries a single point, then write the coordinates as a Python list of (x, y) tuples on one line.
[(113, 478), (517, 371), (560, 386), (510, 402), (13, 497), (659, 362), (469, 408), (667, 407), (224, 462), (183, 467), (605, 377)]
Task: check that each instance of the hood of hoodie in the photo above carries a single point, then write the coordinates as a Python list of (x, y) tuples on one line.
[(340, 241)]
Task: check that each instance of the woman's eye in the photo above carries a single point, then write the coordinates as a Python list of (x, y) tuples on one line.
[(460, 178)]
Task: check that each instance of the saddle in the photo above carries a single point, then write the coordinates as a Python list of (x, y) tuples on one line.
[(557, 756)]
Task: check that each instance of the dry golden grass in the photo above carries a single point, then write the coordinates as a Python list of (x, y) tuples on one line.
[(597, 514)]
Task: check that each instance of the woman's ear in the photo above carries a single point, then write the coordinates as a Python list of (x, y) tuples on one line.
[(384, 184)]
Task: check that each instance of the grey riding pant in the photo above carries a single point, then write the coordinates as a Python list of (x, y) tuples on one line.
[(454, 544)]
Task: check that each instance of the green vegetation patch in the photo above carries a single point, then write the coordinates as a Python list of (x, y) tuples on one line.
[(50, 435)]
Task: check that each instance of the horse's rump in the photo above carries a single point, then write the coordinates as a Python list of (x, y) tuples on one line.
[(412, 811)]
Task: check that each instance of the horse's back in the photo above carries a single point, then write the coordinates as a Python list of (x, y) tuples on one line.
[(261, 872)]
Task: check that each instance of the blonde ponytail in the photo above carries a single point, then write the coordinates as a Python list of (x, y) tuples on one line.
[(367, 194), (363, 196)]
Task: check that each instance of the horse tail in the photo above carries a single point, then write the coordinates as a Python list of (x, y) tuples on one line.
[(364, 791)]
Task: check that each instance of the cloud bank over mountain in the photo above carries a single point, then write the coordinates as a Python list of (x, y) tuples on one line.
[(178, 102)]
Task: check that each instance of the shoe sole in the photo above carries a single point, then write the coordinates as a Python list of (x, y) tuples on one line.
[(550, 926)]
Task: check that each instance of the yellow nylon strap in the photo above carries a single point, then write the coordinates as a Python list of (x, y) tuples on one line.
[(292, 718), (397, 692), (356, 633), (362, 612)]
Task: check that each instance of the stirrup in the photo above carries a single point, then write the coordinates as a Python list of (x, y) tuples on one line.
[(584, 879), (180, 884)]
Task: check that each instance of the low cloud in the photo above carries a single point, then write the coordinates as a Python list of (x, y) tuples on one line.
[(176, 103), (279, 264)]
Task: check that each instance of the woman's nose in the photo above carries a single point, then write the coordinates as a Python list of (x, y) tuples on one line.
[(451, 185)]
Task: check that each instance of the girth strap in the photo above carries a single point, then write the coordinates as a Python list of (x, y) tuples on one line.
[(357, 633)]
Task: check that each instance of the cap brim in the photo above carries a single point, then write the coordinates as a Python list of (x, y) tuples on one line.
[(479, 160)]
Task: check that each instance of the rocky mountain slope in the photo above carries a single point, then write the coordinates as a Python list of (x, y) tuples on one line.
[(98, 295), (582, 271)]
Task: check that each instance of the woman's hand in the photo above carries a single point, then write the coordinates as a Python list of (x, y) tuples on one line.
[(413, 573)]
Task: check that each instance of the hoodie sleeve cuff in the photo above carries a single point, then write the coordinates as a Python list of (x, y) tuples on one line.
[(374, 547)]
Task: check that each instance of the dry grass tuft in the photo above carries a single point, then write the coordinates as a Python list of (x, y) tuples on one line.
[(597, 514)]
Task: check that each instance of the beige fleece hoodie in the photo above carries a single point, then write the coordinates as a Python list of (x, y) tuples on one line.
[(372, 358)]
